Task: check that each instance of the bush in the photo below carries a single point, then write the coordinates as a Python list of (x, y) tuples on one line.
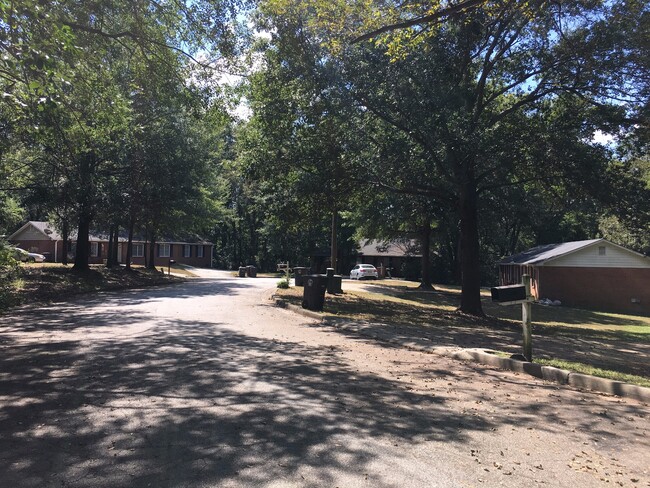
[(8, 273), (283, 284)]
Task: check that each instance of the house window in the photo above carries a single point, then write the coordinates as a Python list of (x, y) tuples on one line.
[(164, 250), (199, 251), (187, 251), (602, 250), (138, 250), (94, 249)]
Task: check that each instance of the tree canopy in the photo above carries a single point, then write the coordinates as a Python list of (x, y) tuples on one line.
[(470, 126)]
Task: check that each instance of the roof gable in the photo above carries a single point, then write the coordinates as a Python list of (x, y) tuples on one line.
[(541, 255), (36, 230)]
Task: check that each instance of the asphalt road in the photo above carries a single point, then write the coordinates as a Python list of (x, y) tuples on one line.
[(206, 384)]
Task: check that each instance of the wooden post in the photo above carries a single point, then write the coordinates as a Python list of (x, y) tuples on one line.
[(526, 318)]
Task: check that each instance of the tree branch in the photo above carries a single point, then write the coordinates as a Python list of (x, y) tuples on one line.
[(426, 19)]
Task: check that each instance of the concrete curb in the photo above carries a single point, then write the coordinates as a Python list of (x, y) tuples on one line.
[(299, 310), (548, 373)]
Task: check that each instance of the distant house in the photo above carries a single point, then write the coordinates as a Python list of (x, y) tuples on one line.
[(41, 237), (393, 255), (595, 274)]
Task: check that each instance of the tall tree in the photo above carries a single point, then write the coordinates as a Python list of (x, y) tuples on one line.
[(474, 76)]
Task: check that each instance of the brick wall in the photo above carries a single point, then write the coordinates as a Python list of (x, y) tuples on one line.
[(40, 247), (606, 289)]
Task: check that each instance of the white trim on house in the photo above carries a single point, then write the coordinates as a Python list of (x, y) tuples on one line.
[(138, 250), (167, 250)]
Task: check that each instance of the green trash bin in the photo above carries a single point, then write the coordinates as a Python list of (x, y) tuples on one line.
[(313, 297)]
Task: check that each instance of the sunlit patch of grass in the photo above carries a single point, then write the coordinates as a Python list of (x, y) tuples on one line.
[(583, 368), (55, 281), (547, 320)]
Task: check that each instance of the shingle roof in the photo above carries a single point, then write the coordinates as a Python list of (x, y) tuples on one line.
[(396, 248), (46, 229), (548, 251), (101, 236)]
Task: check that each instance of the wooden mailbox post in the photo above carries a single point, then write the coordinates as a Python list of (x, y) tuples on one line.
[(519, 294)]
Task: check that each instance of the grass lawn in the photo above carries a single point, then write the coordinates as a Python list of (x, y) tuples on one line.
[(53, 281), (547, 319), (603, 344)]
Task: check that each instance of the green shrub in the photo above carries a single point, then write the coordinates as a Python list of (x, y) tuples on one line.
[(9, 267), (283, 284)]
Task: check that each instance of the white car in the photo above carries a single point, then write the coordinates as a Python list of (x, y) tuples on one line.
[(361, 271), (28, 257)]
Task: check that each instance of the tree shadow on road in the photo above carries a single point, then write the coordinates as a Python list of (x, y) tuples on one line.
[(192, 403)]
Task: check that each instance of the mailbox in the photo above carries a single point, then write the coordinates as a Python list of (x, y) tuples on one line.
[(511, 293)]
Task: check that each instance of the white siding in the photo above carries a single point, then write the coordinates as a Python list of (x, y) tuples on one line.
[(615, 257), (31, 234)]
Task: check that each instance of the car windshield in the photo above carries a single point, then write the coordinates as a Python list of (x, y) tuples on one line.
[(369, 266)]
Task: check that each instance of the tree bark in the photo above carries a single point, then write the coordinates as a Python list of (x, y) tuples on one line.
[(152, 252), (129, 246), (116, 244), (334, 249), (65, 231), (83, 243), (425, 244), (109, 256), (470, 298)]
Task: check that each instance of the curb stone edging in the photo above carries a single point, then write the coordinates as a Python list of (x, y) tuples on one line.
[(612, 387), (548, 373), (299, 310)]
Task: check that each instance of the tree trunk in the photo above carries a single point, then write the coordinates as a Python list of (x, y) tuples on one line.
[(116, 244), (152, 252), (129, 245), (109, 257), (65, 244), (334, 248), (425, 244), (83, 243), (470, 298)]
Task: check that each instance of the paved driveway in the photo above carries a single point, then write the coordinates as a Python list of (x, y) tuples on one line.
[(205, 384)]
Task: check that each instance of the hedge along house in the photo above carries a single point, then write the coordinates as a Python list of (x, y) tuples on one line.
[(41, 237), (595, 274)]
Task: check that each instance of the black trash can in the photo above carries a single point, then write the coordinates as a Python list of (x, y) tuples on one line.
[(251, 271), (313, 297), (242, 271), (334, 284), (299, 273)]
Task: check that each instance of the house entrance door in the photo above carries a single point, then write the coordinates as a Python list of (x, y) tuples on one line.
[(119, 253)]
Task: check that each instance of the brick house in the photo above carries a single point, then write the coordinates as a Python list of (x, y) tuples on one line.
[(594, 274), (394, 255), (41, 237)]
